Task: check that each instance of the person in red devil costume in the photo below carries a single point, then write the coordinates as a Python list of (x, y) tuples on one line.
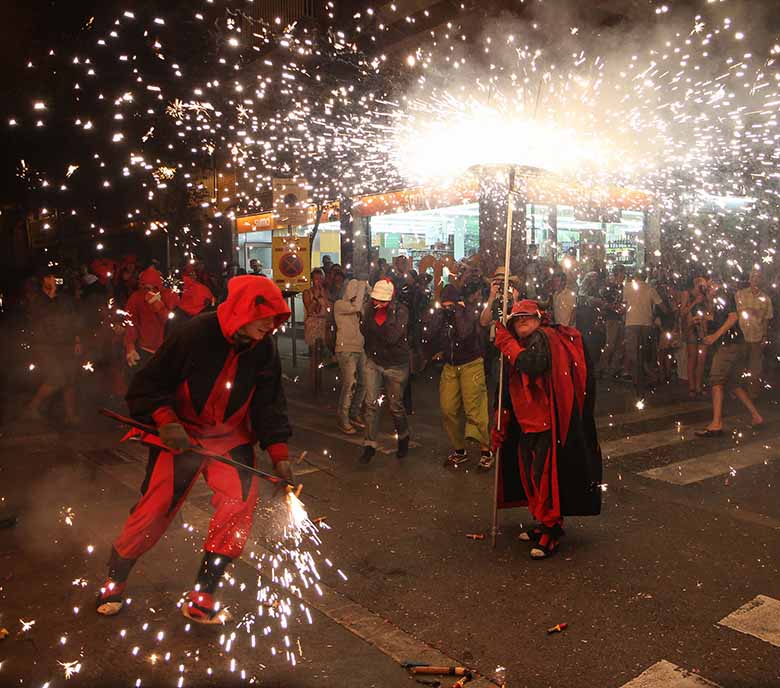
[(550, 455), (215, 382), (149, 308), (195, 298)]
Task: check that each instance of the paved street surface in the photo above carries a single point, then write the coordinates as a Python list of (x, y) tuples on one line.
[(675, 584)]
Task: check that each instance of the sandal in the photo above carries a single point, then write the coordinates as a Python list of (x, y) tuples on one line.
[(531, 534), (548, 543), (706, 432), (110, 600)]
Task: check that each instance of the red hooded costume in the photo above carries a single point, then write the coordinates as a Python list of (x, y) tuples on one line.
[(227, 393), (548, 423), (195, 296), (149, 312)]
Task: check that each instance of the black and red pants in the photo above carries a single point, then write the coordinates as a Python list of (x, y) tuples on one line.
[(168, 481)]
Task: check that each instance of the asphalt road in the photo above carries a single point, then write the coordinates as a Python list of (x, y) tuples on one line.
[(688, 536)]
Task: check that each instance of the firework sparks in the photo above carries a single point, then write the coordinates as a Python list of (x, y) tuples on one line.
[(70, 669), (67, 515)]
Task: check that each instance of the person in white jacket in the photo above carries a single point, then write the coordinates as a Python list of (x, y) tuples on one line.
[(351, 355)]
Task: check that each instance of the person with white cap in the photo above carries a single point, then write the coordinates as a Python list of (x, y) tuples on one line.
[(385, 329)]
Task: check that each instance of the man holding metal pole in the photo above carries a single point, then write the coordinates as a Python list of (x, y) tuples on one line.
[(546, 429), (214, 386), (544, 439)]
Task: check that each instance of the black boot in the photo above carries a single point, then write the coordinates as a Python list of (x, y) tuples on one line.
[(212, 569), (110, 600), (367, 455), (403, 447)]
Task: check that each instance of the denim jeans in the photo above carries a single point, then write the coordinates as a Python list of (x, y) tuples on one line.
[(394, 380), (353, 390)]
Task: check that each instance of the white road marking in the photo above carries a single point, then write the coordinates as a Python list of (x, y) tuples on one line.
[(654, 413), (664, 674), (356, 439), (710, 465), (760, 618), (646, 441)]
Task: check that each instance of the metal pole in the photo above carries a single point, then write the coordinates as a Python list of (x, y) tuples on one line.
[(293, 332), (507, 255)]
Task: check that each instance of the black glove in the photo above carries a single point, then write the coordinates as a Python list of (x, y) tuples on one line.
[(174, 436), (284, 470)]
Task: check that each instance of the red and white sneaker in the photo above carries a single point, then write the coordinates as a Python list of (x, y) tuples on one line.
[(110, 600), (202, 608)]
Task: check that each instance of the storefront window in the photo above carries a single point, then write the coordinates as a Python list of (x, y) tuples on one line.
[(451, 231)]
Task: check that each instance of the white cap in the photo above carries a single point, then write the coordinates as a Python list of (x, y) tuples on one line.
[(383, 291)]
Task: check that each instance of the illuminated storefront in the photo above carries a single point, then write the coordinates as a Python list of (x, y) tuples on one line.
[(444, 222)]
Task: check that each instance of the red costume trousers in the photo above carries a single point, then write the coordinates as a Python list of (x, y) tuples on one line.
[(539, 476), (169, 479)]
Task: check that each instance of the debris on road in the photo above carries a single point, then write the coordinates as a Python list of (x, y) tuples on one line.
[(475, 536), (558, 628)]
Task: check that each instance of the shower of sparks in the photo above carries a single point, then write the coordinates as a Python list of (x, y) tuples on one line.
[(690, 118), (70, 668), (67, 515)]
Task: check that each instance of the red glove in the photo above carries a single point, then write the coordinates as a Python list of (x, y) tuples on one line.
[(507, 344), (498, 437)]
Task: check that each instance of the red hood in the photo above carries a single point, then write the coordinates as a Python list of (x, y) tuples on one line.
[(103, 267), (251, 297), (194, 296), (152, 277)]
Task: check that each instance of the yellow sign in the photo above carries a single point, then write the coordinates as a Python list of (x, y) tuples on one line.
[(291, 262)]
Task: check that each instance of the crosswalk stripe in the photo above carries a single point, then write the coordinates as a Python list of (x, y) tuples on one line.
[(664, 674), (709, 465), (640, 442), (653, 413), (760, 618), (357, 439)]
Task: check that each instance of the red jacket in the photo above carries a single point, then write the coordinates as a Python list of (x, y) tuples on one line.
[(195, 296), (147, 317)]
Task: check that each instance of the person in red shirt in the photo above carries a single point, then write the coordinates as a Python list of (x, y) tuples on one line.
[(550, 455), (196, 297), (216, 383), (148, 308)]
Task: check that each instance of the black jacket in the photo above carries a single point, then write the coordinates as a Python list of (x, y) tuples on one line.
[(387, 345), (193, 362), (456, 333)]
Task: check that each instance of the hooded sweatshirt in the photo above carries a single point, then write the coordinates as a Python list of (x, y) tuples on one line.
[(195, 296), (147, 315), (347, 312), (225, 393)]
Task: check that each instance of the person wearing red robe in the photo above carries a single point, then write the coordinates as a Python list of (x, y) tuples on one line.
[(195, 298), (550, 455), (149, 308), (215, 383)]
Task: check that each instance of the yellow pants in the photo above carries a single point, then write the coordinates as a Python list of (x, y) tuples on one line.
[(464, 403)]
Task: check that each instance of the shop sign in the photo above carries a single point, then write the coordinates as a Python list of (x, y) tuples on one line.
[(261, 222), (291, 262), (291, 201)]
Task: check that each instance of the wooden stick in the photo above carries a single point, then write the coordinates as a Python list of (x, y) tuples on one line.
[(507, 256)]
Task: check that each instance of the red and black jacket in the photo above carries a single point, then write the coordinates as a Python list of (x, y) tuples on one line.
[(225, 394)]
